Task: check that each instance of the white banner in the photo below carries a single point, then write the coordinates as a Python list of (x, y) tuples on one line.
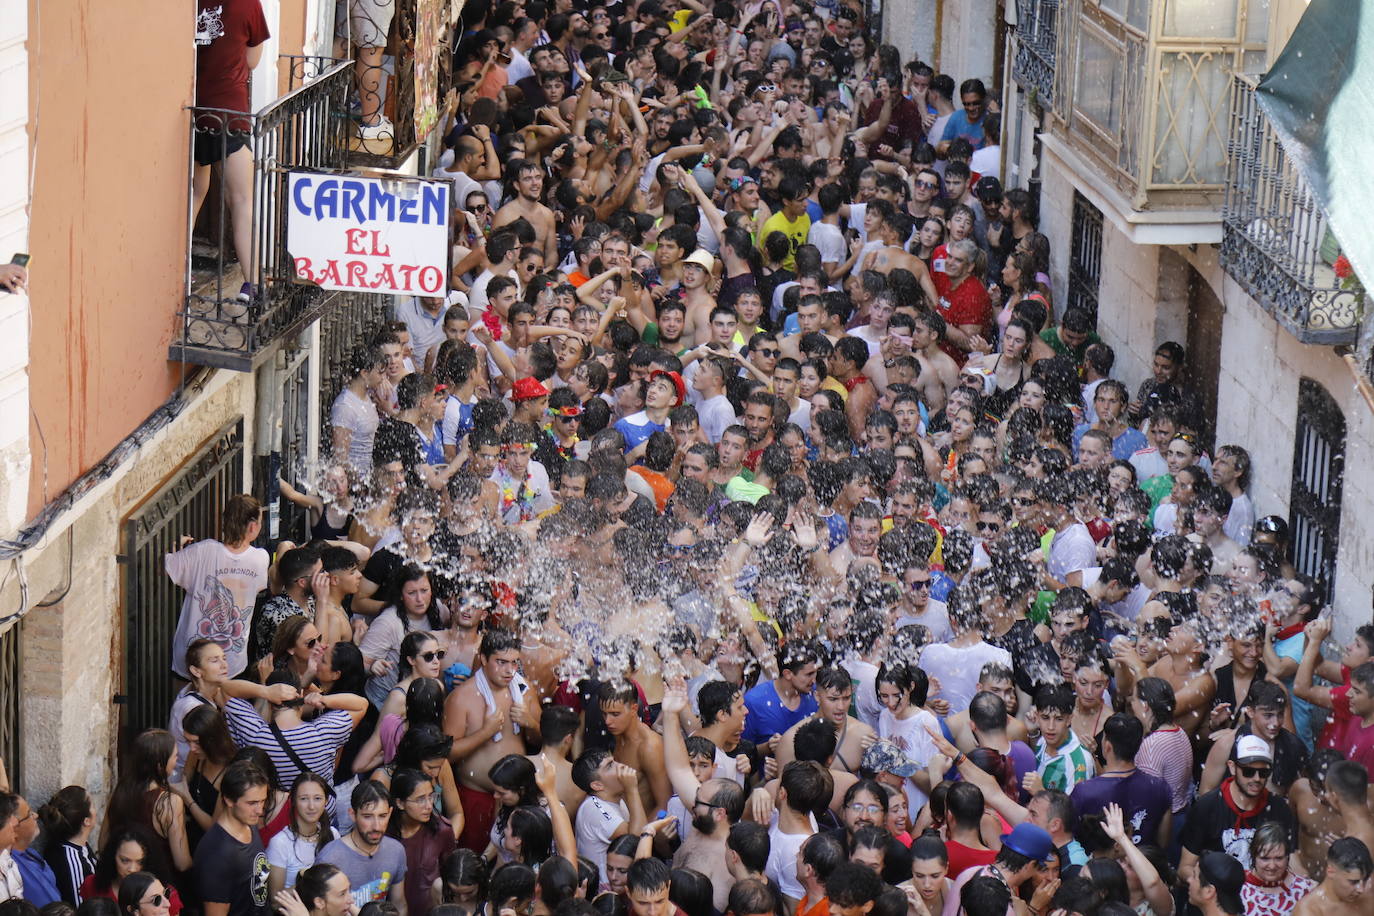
[(372, 235)]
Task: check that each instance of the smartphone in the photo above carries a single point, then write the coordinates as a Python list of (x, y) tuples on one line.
[(20, 259), (503, 58)]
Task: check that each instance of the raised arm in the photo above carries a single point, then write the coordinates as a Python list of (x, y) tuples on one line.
[(674, 747), (1156, 891), (1316, 631), (564, 838)]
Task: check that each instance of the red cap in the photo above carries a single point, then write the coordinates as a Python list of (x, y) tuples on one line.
[(677, 381), (527, 388)]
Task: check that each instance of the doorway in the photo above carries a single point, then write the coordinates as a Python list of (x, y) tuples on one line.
[(1204, 350)]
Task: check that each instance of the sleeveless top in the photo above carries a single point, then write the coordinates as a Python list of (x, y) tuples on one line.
[(997, 404), (323, 531)]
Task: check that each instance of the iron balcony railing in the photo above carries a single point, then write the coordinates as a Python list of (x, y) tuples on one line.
[(1275, 239), (1036, 47), (306, 128), (401, 77)]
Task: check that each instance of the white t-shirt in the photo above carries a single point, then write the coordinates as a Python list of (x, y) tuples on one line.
[(957, 669), (829, 240), (911, 736), (291, 853), (934, 618), (865, 675), (716, 415), (597, 821), (221, 589), (185, 702), (782, 859), (1241, 520), (359, 416), (519, 67), (987, 161), (1072, 549)]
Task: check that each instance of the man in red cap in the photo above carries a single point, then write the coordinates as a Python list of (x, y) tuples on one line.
[(531, 400), (662, 392)]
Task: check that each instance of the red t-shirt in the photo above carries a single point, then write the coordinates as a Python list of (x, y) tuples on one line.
[(966, 304), (225, 30), (903, 126), (1345, 733), (963, 857)]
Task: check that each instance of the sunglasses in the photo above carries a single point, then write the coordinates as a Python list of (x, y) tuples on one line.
[(920, 585), (597, 36), (155, 900), (989, 526), (1024, 502), (312, 642), (479, 208), (928, 185), (432, 655), (765, 351), (1255, 772)]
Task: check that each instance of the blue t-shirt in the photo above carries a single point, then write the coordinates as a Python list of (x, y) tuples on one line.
[(768, 717), (40, 884), (1144, 801), (1292, 647), (959, 125), (1123, 446), (636, 428)]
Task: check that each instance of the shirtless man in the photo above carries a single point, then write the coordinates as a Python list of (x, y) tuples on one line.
[(487, 715), (464, 635), (696, 274), (893, 231), (559, 726), (993, 678), (834, 690), (1318, 821), (529, 182), (810, 320), (636, 744), (846, 364), (714, 805), (1347, 792), (939, 373), (1346, 889)]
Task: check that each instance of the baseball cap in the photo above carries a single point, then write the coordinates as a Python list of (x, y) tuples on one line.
[(1226, 876), (886, 757), (527, 388), (1252, 749), (987, 186), (1035, 843)]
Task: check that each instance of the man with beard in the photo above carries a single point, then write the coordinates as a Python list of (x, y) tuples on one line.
[(1225, 819), (715, 804), (374, 862), (529, 183)]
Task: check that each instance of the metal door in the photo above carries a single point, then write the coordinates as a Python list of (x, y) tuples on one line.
[(1085, 256), (1318, 469)]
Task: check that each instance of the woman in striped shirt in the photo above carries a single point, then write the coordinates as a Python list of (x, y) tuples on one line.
[(1166, 751)]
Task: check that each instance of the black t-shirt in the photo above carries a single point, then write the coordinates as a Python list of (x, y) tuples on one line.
[(1214, 826), (1226, 690), (227, 871)]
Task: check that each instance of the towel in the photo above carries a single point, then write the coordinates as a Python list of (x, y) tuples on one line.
[(518, 686)]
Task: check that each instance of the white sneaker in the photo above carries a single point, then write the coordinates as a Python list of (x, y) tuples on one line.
[(383, 128)]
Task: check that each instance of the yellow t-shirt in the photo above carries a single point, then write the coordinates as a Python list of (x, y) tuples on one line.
[(795, 230)]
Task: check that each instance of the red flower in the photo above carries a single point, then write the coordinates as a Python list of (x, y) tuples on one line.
[(1343, 268)]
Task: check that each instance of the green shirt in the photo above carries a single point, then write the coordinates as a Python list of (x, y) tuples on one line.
[(1157, 488), (740, 490), (1065, 767), (1051, 337)]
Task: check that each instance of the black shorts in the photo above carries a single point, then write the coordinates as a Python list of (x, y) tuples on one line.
[(215, 144)]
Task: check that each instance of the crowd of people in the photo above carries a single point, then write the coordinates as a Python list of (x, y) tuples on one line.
[(752, 531)]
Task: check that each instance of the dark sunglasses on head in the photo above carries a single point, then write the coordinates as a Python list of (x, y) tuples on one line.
[(431, 656)]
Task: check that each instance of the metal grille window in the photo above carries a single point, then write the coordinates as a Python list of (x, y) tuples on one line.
[(295, 447), (1085, 256), (10, 725), (190, 503), (349, 322), (1318, 470)]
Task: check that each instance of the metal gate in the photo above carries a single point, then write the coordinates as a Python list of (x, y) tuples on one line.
[(1085, 256), (10, 724), (295, 430), (1318, 469), (349, 322), (188, 504)]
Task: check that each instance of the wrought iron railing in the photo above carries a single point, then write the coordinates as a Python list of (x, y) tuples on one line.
[(1036, 47), (402, 56), (188, 504), (225, 323), (1275, 239)]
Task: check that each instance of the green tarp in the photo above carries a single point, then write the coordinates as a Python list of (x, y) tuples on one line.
[(1319, 96)]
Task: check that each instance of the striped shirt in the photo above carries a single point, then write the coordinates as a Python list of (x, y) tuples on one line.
[(1168, 754), (1064, 767), (316, 742)]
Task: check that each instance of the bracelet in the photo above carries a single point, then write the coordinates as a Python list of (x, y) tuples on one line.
[(645, 834), (960, 758)]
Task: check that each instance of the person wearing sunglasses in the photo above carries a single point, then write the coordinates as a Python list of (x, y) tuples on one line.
[(142, 894), (303, 583), (1225, 819)]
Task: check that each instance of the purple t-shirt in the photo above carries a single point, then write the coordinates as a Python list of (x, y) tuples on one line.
[(1144, 800), (1023, 762)]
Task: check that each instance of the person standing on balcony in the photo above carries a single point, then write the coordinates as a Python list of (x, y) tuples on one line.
[(371, 21), (222, 580), (229, 40)]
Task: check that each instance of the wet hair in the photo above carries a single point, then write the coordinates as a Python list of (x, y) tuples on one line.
[(515, 773), (312, 883), (1158, 696), (749, 840)]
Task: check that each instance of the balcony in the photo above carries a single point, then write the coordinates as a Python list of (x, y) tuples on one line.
[(1036, 47), (306, 128), (405, 79), (1141, 100), (1275, 240)]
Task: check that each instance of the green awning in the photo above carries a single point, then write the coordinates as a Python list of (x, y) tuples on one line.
[(1319, 96)]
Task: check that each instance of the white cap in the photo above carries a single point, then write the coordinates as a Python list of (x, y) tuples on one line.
[(1250, 748)]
